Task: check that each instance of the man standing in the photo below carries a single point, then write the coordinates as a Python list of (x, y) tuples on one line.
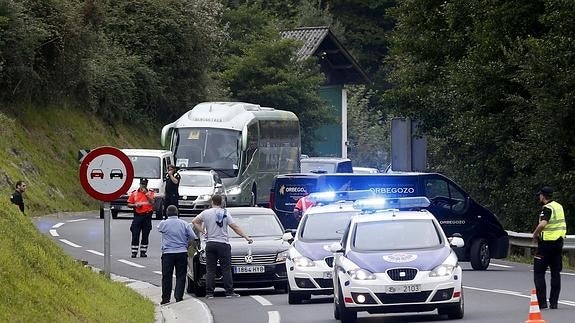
[(142, 201), (177, 234), (16, 197), (549, 235), (215, 226), (172, 184)]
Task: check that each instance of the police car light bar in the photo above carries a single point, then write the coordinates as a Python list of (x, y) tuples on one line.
[(399, 203), (335, 196)]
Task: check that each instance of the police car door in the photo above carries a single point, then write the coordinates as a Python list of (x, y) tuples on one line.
[(449, 204)]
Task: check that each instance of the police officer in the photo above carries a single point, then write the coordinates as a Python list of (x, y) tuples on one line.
[(172, 179), (301, 206), (549, 235), (142, 201)]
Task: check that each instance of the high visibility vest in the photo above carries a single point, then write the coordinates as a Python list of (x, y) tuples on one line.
[(556, 227)]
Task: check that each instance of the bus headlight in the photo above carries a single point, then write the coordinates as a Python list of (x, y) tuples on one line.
[(234, 190)]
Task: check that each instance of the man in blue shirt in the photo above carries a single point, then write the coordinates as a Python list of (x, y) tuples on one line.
[(177, 234)]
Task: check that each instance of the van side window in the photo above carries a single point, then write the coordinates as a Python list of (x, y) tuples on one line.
[(459, 202), (445, 195), (252, 144)]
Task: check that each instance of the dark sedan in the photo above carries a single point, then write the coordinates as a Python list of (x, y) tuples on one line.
[(260, 264)]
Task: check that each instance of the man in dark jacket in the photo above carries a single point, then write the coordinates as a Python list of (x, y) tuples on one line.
[(17, 197)]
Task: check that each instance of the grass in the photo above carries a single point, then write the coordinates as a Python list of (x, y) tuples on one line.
[(40, 283)]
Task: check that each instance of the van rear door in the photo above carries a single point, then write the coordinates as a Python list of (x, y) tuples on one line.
[(286, 191)]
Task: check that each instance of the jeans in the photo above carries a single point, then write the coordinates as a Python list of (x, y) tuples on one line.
[(549, 254), (223, 252), (179, 261)]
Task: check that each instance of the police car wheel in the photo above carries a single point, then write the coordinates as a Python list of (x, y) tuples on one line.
[(294, 298), (345, 316), (281, 287), (479, 254)]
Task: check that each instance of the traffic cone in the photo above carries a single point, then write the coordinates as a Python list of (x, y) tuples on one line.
[(534, 312)]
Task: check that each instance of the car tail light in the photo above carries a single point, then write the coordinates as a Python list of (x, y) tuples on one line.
[(272, 200)]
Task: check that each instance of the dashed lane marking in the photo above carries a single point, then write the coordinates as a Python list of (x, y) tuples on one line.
[(57, 225), (498, 265), (261, 300), (54, 233), (95, 252), (77, 220), (274, 317), (129, 263), (513, 293), (70, 243)]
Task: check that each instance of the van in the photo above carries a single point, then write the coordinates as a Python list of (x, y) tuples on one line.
[(325, 165), (151, 164), (456, 211)]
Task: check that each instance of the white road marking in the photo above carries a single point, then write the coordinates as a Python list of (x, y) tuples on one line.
[(131, 263), (54, 233), (57, 225), (498, 265), (261, 300), (70, 243), (95, 252), (509, 292), (562, 273), (160, 273), (77, 220), (274, 317)]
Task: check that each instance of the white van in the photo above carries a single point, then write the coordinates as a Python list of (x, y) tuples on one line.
[(151, 164)]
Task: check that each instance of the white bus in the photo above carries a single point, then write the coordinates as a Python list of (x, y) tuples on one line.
[(245, 143)]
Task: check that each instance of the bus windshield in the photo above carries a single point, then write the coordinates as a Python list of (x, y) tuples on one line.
[(208, 148)]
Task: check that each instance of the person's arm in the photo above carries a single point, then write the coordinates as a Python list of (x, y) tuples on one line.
[(197, 222), (544, 219), (240, 232), (174, 177), (190, 234)]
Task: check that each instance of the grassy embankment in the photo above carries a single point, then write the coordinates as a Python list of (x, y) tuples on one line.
[(39, 282)]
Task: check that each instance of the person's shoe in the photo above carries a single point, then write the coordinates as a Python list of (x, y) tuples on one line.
[(542, 306), (164, 302), (232, 295), (179, 299), (209, 296), (143, 255), (134, 255), (553, 306)]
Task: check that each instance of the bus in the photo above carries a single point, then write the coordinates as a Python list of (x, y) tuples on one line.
[(246, 144)]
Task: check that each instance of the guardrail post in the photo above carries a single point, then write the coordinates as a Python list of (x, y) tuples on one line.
[(571, 254), (527, 252)]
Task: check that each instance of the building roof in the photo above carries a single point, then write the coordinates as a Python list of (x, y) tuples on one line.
[(337, 63)]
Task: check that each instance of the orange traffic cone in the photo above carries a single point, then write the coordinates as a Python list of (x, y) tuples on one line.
[(534, 312)]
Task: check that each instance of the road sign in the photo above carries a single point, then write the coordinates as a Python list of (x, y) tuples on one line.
[(106, 173)]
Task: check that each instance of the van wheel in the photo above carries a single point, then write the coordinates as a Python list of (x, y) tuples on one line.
[(479, 254), (114, 214)]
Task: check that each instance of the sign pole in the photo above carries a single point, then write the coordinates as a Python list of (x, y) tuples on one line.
[(107, 249)]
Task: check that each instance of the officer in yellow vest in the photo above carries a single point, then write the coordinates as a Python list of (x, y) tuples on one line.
[(549, 235)]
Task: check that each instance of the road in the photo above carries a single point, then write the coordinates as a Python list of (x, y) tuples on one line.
[(499, 294)]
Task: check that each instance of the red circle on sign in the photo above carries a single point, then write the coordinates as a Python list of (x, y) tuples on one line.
[(106, 197)]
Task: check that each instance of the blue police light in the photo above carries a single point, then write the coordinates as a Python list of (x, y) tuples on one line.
[(335, 196), (399, 203)]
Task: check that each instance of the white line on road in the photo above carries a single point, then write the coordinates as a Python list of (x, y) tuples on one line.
[(57, 225), (95, 252), (274, 317), (157, 272), (548, 272), (261, 300), (70, 243), (508, 292), (77, 220), (131, 263), (54, 233), (498, 265)]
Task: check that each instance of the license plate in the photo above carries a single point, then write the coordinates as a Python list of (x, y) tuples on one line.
[(186, 202), (249, 269), (400, 289), (328, 275)]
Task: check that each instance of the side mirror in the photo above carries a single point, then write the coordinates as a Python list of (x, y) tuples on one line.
[(287, 237), (456, 242), (335, 247), (219, 185)]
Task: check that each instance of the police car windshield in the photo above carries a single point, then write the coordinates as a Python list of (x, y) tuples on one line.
[(325, 226), (396, 235), (257, 225), (196, 180)]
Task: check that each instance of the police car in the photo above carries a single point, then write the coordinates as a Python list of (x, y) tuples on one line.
[(394, 257), (309, 263)]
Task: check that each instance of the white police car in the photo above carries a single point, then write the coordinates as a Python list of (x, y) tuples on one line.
[(394, 257)]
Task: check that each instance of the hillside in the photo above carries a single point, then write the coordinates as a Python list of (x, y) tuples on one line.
[(40, 283)]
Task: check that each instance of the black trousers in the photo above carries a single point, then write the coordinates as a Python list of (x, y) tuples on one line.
[(223, 252), (170, 199), (141, 223), (549, 254), (171, 261)]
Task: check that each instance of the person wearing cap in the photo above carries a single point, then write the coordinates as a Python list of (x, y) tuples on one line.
[(549, 234), (142, 201), (214, 224), (177, 235), (172, 179)]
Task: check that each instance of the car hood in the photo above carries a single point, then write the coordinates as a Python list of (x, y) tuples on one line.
[(377, 262), (314, 250), (194, 191), (261, 245)]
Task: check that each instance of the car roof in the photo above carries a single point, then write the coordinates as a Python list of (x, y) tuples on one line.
[(332, 208), (243, 210), (393, 215), (324, 159), (146, 152), (195, 172)]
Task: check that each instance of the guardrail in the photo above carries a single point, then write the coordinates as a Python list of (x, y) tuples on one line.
[(525, 240)]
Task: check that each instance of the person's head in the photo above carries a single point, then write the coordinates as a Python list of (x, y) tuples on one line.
[(172, 210), (143, 183), (21, 186), (545, 194), (172, 168), (216, 200)]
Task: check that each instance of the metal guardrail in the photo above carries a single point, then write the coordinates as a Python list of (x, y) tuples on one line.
[(525, 240)]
